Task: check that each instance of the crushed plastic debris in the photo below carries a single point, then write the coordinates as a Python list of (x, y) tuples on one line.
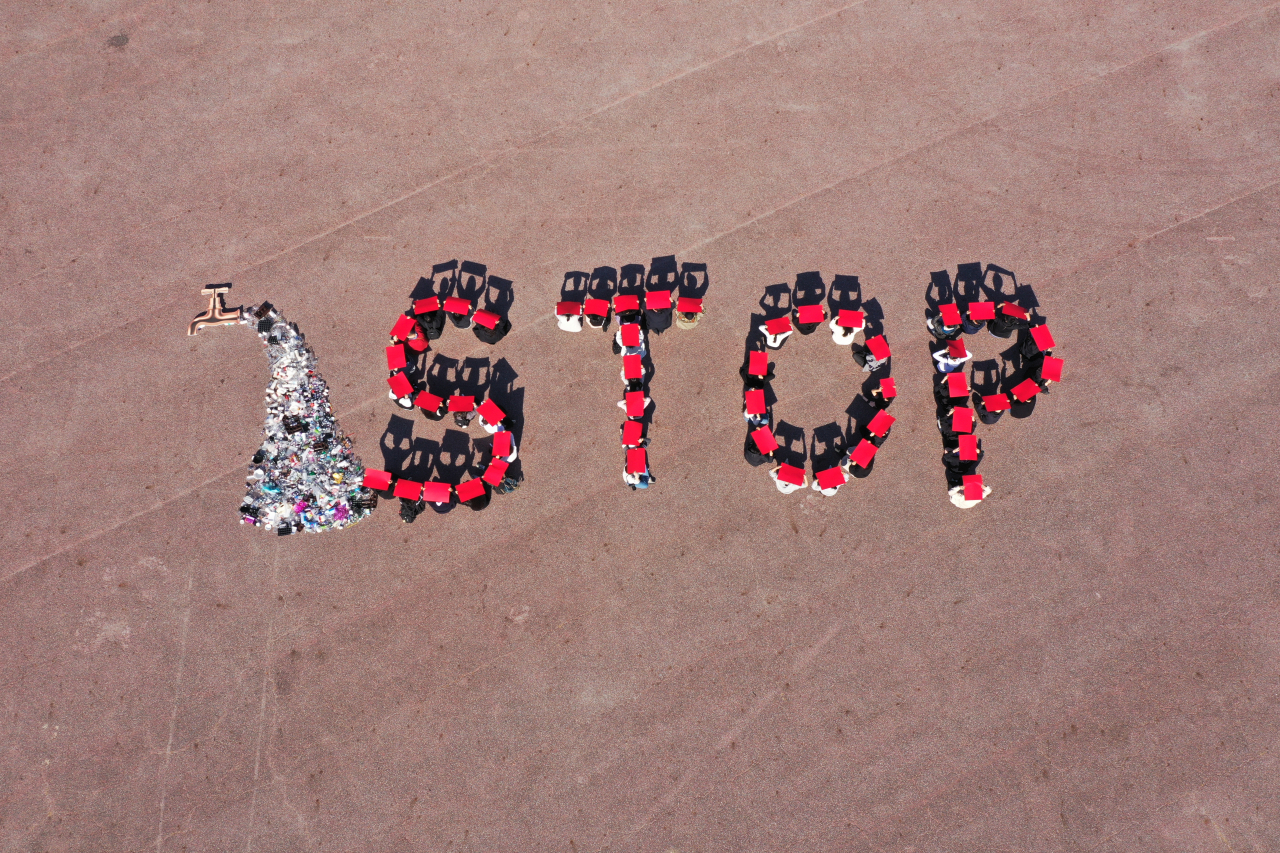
[(305, 478)]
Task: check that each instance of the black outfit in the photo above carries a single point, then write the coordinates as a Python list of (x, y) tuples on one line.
[(658, 321), (755, 381), (983, 415), (945, 426), (438, 414), (1003, 326), (752, 453), (497, 333), (462, 321), (943, 332), (410, 510), (432, 323), (479, 503)]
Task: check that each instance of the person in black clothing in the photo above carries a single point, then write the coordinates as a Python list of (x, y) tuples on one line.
[(410, 510), (1005, 324), (430, 316), (752, 381), (491, 336)]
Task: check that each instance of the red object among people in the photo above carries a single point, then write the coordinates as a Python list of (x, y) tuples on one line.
[(950, 314), (419, 344), (1025, 390), (486, 318), (956, 349), (778, 325), (658, 300), (689, 305), (832, 478), (889, 387), (428, 401), (632, 433), (596, 307), (962, 419), (490, 411), (430, 305), (632, 366), (810, 314), (377, 480), (968, 448), (957, 385), (501, 444), (764, 440), (569, 309), (973, 487), (1043, 337), (1052, 369), (880, 424), (630, 333), (754, 398), (495, 472), (408, 489), (1013, 309), (863, 453), (457, 305), (403, 328), (626, 302), (635, 404), (879, 347), (470, 490), (462, 403), (791, 474), (979, 311), (637, 461), (850, 319), (996, 403), (757, 363), (395, 357), (400, 385), (436, 492)]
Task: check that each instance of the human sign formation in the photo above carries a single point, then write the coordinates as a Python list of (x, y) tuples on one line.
[(641, 304), (973, 302), (306, 478), (801, 309), (466, 297)]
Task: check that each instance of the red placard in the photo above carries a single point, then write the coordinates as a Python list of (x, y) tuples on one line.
[(436, 492), (658, 300), (1043, 338), (457, 305), (395, 357), (400, 385), (408, 489), (488, 319), (462, 403), (495, 472), (979, 311), (626, 302), (635, 404), (778, 325), (490, 411), (689, 305), (377, 480), (470, 490), (950, 314), (632, 433), (632, 366), (973, 487), (863, 453), (403, 328), (501, 444), (637, 461), (569, 309), (850, 319), (764, 440), (754, 399), (596, 307), (962, 419), (630, 333), (968, 448), (880, 424), (996, 403), (832, 478), (1025, 390), (879, 347), (810, 314), (791, 474), (957, 385), (1052, 369)]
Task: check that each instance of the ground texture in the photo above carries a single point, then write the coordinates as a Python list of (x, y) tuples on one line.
[(1087, 661)]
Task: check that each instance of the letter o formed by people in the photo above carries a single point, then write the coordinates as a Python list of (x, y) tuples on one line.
[(850, 451), (467, 298)]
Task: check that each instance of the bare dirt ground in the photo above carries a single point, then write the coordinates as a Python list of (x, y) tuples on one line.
[(1087, 661)]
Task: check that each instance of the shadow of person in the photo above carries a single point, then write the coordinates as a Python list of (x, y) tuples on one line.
[(809, 289), (968, 285), (471, 280), (442, 375), (938, 292), (845, 294), (603, 283), (404, 455), (792, 448), (473, 376), (455, 456), (662, 273), (424, 289), (995, 284), (693, 280), (631, 279), (499, 296), (776, 301), (828, 446), (444, 279), (874, 316), (574, 287), (509, 398)]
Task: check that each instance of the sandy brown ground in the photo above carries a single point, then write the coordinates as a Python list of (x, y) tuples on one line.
[(1088, 661)]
